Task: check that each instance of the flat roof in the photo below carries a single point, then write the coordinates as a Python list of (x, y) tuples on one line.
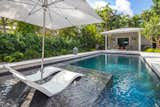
[(122, 30)]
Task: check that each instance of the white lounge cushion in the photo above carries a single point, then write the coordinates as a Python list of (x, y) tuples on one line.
[(47, 72), (60, 81)]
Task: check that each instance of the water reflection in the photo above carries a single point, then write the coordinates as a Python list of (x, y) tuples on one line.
[(134, 83)]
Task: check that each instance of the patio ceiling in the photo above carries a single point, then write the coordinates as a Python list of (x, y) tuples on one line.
[(122, 30)]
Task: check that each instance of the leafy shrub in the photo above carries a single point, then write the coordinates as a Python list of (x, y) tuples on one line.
[(1, 59), (49, 53), (152, 50), (17, 56), (20, 46), (157, 50), (8, 59), (64, 51), (30, 53), (149, 50)]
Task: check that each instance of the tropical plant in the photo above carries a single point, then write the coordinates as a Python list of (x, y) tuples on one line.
[(152, 28), (25, 28)]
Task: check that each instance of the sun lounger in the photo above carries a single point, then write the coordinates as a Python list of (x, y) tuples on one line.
[(57, 84)]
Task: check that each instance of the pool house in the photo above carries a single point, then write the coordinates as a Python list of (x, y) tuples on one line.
[(125, 39)]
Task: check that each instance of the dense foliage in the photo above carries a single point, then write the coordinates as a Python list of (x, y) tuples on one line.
[(16, 47), (23, 41), (151, 22)]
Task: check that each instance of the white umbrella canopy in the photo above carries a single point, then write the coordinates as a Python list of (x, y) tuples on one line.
[(59, 13), (51, 14)]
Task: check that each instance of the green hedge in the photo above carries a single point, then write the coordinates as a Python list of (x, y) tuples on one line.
[(17, 47), (152, 50)]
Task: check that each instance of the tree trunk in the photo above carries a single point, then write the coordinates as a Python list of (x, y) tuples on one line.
[(4, 24), (154, 42)]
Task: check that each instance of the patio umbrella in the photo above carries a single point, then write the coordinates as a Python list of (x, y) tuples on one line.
[(51, 14)]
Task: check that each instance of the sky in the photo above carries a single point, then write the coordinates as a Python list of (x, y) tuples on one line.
[(127, 7)]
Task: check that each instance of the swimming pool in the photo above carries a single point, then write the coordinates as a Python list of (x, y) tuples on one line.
[(134, 83)]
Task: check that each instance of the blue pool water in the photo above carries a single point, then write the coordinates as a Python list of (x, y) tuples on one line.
[(133, 85)]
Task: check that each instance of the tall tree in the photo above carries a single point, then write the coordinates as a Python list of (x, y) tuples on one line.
[(136, 21), (152, 28), (106, 13), (156, 6)]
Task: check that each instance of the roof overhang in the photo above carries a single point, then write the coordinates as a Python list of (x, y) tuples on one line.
[(122, 30)]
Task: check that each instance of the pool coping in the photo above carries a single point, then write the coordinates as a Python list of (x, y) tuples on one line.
[(29, 64), (51, 60), (151, 60)]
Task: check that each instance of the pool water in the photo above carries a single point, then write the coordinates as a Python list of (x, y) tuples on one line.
[(134, 83)]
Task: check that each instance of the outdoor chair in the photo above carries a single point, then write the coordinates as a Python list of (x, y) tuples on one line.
[(52, 87)]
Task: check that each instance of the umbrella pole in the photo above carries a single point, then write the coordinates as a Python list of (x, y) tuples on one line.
[(43, 37)]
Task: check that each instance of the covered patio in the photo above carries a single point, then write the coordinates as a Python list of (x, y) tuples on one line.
[(123, 39)]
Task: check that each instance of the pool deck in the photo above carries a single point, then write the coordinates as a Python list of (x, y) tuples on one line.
[(153, 60)]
